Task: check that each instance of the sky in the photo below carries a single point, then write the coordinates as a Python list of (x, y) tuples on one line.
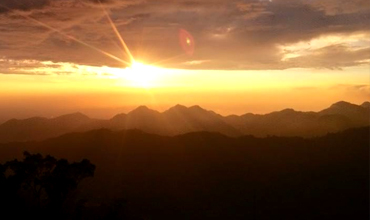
[(62, 56)]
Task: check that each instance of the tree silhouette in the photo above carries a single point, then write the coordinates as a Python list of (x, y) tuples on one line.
[(39, 185)]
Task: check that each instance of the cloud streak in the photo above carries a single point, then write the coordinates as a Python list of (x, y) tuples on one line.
[(237, 34)]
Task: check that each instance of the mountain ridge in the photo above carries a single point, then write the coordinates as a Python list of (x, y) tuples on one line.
[(180, 119), (328, 174)]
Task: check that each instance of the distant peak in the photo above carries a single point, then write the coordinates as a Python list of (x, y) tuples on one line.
[(142, 109), (177, 107), (196, 107), (341, 104), (73, 115), (344, 108), (366, 104), (118, 116), (27, 120), (11, 121), (77, 114), (288, 110)]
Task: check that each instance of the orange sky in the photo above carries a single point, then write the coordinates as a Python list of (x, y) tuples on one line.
[(239, 56), (226, 92)]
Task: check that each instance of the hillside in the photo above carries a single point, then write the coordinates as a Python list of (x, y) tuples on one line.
[(181, 120), (211, 176)]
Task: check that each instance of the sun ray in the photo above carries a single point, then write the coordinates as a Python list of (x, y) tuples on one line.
[(127, 50), (68, 36)]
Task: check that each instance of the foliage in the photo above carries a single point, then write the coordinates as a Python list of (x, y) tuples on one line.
[(40, 185)]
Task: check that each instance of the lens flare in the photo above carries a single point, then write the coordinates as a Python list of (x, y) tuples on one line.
[(186, 42)]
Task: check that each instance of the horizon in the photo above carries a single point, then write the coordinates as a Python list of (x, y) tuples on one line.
[(162, 110), (259, 56), (184, 109)]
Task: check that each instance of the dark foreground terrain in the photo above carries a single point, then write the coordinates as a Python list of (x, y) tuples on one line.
[(211, 176)]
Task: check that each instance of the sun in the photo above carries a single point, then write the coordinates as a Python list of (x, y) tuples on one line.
[(142, 75)]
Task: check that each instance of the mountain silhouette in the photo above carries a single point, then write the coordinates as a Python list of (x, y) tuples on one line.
[(180, 120), (203, 175), (192, 119), (357, 115), (289, 122), (38, 128), (142, 118), (366, 105)]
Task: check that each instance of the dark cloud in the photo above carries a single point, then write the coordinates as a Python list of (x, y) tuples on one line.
[(236, 34), (25, 5), (340, 6)]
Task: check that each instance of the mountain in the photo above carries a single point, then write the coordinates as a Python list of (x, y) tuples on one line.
[(176, 120), (366, 105), (206, 175), (357, 115), (39, 128), (141, 118), (183, 120), (289, 122), (180, 120)]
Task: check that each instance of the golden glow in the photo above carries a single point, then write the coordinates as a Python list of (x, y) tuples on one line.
[(188, 41), (64, 88), (45, 85), (142, 75)]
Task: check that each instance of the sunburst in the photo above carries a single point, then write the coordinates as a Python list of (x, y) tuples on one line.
[(137, 73), (142, 75)]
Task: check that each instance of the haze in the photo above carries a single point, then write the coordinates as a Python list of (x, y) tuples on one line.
[(249, 56)]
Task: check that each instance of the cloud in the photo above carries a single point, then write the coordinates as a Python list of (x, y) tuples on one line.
[(25, 67), (24, 5), (356, 90), (332, 7), (35, 67), (332, 57), (236, 34), (28, 5)]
